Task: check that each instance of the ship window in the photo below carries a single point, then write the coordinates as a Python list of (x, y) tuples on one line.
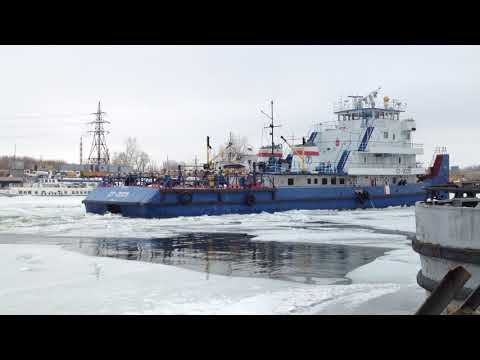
[(393, 136), (309, 181), (342, 181), (324, 181), (333, 181), (29, 193), (290, 181), (385, 134), (316, 181), (36, 192)]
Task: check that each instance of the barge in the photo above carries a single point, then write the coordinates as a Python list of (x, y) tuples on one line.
[(365, 158)]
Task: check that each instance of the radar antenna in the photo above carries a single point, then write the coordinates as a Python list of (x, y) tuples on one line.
[(370, 98)]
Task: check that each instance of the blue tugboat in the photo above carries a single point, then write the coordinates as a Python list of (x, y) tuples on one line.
[(363, 159)]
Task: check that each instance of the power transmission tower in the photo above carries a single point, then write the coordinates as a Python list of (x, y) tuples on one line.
[(99, 152)]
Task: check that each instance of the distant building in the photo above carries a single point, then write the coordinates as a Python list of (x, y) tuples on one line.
[(17, 167), (454, 168), (108, 168), (5, 182)]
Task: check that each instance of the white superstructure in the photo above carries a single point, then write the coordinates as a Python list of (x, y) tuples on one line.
[(53, 187), (366, 139)]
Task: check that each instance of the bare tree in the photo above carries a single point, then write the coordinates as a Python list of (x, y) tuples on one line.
[(141, 161), (170, 166), (234, 148), (133, 156)]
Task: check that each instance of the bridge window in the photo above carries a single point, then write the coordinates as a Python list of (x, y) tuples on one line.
[(324, 181), (333, 181), (290, 181), (342, 181), (309, 181), (393, 136), (399, 160), (316, 181), (385, 134)]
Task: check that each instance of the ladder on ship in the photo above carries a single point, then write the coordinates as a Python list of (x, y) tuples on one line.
[(362, 147), (366, 138), (343, 160)]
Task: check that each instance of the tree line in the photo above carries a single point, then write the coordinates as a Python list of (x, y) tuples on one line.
[(30, 162)]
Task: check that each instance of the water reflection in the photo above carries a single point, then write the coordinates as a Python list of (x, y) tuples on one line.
[(236, 255)]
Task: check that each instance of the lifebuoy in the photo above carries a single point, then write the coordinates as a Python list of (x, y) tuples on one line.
[(185, 198), (250, 199)]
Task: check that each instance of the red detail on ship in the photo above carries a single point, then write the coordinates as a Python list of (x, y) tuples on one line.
[(307, 153), (434, 170), (269, 154)]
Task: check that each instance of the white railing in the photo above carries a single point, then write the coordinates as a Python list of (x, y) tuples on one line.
[(355, 144), (349, 106), (383, 166)]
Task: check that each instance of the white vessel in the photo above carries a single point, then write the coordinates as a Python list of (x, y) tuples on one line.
[(53, 187)]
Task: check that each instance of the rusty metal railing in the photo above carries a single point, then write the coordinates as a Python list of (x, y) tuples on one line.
[(451, 284)]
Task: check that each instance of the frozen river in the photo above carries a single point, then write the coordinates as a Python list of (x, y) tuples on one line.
[(56, 259)]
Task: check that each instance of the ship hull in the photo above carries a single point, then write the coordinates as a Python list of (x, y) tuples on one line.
[(154, 203)]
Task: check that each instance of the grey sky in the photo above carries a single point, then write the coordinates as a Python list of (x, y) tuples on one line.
[(171, 97)]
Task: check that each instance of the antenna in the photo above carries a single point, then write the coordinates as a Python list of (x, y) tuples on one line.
[(271, 126), (99, 151)]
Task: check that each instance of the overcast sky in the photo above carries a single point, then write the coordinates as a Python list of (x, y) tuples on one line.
[(171, 97)]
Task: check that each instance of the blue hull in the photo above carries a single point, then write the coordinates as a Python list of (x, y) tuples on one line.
[(154, 203)]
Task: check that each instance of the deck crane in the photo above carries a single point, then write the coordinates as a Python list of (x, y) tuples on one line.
[(294, 152)]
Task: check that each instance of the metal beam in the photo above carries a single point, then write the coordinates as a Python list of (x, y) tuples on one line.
[(452, 283)]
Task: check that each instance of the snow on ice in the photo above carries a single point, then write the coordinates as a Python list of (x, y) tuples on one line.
[(47, 279)]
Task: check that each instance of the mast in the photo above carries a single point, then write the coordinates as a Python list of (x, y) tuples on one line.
[(208, 152), (271, 126), (196, 167), (81, 151)]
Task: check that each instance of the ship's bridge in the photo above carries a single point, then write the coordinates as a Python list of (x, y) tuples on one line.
[(365, 137)]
